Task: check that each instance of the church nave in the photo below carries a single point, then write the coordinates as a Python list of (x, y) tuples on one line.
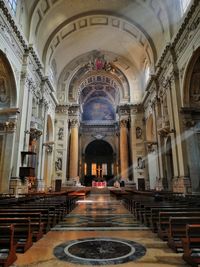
[(100, 217)]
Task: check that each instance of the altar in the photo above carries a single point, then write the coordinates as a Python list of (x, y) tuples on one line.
[(99, 184)]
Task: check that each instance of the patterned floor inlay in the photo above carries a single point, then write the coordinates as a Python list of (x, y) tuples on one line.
[(79, 221), (101, 214), (101, 209), (99, 251)]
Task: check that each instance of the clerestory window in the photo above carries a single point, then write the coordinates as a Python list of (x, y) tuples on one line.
[(184, 5), (13, 5)]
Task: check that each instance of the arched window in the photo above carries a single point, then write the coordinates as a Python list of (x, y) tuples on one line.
[(13, 5), (184, 5)]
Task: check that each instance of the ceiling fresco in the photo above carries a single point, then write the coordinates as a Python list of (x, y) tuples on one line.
[(98, 109)]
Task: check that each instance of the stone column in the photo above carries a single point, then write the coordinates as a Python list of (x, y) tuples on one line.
[(133, 141), (41, 182), (73, 158), (61, 142), (157, 116), (124, 149), (74, 113), (181, 183), (24, 90)]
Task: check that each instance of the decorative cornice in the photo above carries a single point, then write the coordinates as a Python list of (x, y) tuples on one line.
[(62, 109), (185, 22), (27, 48), (12, 23), (171, 45), (9, 111), (74, 110)]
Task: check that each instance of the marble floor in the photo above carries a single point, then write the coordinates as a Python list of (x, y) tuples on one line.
[(100, 231)]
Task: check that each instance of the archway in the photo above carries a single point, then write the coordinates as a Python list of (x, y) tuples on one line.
[(99, 160), (8, 119), (191, 99)]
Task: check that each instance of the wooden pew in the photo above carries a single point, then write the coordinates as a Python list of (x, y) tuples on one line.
[(148, 212), (56, 210), (164, 216), (7, 245), (191, 245), (37, 227), (22, 233), (46, 218), (177, 231), (154, 213)]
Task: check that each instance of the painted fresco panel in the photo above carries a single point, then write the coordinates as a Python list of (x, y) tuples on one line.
[(98, 110)]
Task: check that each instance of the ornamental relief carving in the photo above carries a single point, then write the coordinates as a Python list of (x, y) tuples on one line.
[(7, 34)]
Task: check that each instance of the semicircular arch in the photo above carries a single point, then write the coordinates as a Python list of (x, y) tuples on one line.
[(188, 77), (8, 91)]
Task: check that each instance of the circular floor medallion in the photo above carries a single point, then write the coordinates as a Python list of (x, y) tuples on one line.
[(99, 251)]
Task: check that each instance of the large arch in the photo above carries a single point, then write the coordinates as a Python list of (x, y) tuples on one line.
[(191, 118), (8, 119), (8, 93), (188, 76), (99, 160)]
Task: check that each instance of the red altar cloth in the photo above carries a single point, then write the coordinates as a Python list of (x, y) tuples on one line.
[(99, 184)]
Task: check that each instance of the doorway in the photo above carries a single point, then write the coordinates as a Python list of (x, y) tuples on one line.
[(99, 158)]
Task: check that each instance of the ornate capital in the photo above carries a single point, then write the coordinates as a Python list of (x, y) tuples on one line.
[(123, 123), (74, 123), (34, 134), (124, 110), (8, 126)]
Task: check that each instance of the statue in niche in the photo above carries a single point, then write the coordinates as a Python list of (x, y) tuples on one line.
[(138, 133), (60, 133), (58, 164), (140, 163), (3, 96)]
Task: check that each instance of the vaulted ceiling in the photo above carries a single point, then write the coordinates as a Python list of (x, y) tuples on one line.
[(132, 33)]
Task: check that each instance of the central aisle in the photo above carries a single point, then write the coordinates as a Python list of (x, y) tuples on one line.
[(99, 229), (99, 212)]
